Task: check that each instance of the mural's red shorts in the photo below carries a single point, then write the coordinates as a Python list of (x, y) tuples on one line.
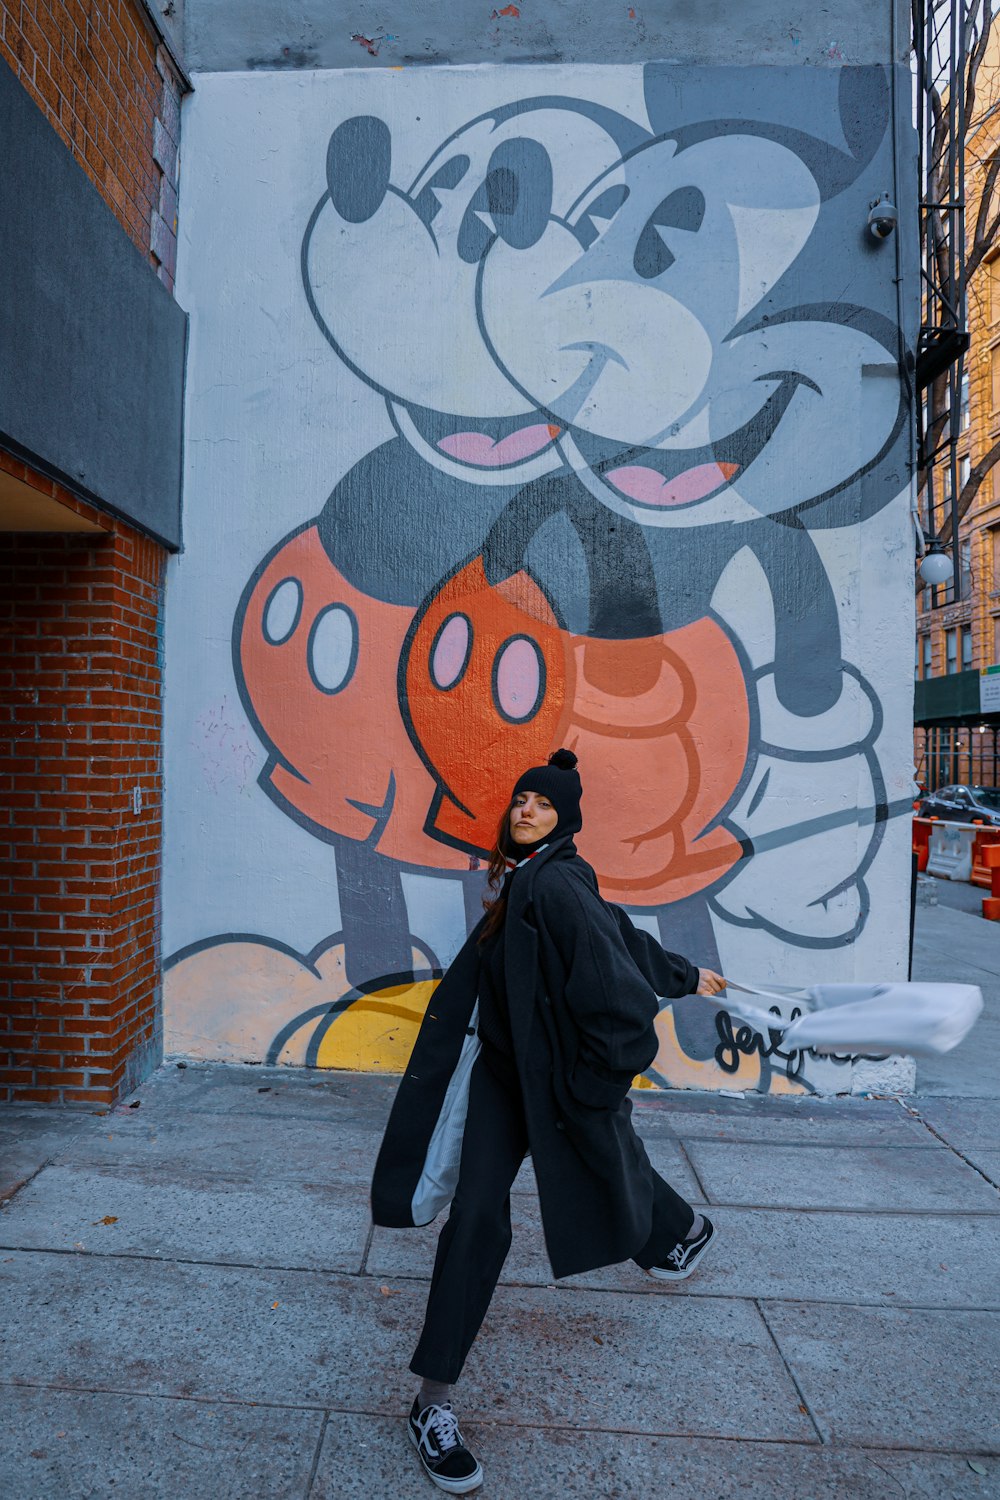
[(417, 725)]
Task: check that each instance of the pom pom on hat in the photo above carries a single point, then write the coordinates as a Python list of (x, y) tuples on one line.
[(564, 759)]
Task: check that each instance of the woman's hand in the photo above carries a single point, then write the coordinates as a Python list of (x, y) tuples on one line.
[(709, 983)]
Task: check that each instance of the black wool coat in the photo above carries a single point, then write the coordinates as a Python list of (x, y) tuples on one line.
[(583, 988)]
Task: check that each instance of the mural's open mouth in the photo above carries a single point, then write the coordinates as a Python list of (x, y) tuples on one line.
[(485, 443), (657, 478)]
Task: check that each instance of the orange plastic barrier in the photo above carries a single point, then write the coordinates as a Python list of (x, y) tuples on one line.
[(991, 903), (981, 871), (921, 840)]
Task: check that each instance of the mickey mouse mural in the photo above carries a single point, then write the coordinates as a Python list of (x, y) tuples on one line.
[(630, 398)]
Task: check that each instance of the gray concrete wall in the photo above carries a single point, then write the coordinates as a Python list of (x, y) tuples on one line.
[(92, 373), (231, 35)]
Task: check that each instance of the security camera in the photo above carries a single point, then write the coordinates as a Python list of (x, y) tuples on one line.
[(882, 218)]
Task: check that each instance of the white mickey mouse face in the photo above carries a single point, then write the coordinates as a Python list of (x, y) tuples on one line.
[(413, 257)]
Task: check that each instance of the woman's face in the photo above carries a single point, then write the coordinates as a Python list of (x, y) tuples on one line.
[(532, 816)]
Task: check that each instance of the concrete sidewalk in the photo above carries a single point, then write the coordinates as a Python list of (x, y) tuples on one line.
[(951, 941), (196, 1307)]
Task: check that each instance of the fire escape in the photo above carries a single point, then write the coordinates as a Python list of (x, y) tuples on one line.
[(942, 33)]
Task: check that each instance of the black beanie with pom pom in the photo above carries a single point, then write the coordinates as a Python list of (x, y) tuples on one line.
[(560, 782)]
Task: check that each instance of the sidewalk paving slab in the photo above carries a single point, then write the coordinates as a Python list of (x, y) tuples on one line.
[(30, 1138), (882, 1259), (176, 1213), (82, 1445), (280, 1151), (604, 1358), (365, 1456), (936, 1374), (840, 1177), (968, 1125), (756, 1121), (266, 1092)]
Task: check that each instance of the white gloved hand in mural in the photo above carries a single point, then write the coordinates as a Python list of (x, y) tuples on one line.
[(813, 813)]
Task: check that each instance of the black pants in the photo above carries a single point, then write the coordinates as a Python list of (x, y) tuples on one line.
[(474, 1242)]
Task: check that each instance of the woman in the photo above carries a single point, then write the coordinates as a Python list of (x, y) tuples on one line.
[(531, 1043)]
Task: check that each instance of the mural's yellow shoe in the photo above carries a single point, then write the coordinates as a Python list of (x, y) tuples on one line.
[(248, 999)]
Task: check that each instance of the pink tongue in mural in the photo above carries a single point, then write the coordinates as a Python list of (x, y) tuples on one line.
[(649, 487), (478, 448)]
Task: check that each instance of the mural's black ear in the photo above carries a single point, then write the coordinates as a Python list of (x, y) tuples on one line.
[(519, 191), (863, 98), (358, 160)]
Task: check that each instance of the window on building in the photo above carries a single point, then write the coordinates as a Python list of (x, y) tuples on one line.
[(993, 272), (964, 470), (943, 594), (995, 557), (966, 634), (965, 562), (928, 655), (996, 641), (964, 398), (951, 651)]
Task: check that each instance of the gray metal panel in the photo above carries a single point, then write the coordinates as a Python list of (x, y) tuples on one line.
[(93, 345), (230, 35)]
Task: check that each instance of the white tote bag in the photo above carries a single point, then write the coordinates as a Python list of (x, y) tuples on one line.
[(920, 1020)]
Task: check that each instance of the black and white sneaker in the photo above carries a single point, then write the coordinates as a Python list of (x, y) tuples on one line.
[(435, 1434), (684, 1258)]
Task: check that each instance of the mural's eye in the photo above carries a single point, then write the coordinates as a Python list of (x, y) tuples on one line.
[(518, 679), (682, 209), (427, 202), (451, 651), (358, 160), (514, 200), (282, 611), (604, 207), (474, 235), (332, 653), (519, 191)]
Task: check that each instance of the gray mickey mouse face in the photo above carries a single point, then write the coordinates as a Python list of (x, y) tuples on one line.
[(632, 324)]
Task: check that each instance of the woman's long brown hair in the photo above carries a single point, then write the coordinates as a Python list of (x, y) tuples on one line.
[(496, 902)]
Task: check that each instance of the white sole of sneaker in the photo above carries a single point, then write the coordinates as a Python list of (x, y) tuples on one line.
[(451, 1486), (659, 1274)]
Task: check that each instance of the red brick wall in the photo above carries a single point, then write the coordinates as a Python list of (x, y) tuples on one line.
[(94, 69), (80, 728)]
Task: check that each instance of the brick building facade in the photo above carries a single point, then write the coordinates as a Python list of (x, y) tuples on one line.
[(957, 735), (81, 590), (111, 91)]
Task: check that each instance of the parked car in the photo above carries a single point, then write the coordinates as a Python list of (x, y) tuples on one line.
[(962, 804)]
